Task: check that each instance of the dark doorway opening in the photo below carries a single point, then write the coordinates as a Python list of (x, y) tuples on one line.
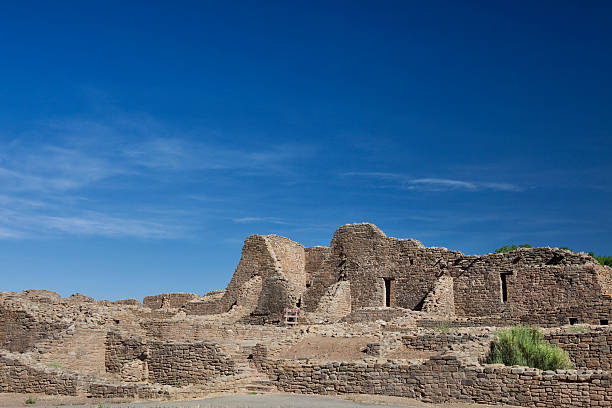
[(573, 320), (603, 322), (388, 292), (504, 286)]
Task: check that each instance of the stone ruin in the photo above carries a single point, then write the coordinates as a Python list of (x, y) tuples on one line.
[(364, 269), (378, 315)]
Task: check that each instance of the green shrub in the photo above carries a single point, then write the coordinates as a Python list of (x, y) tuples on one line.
[(30, 401), (55, 364), (510, 248), (525, 346), (442, 328)]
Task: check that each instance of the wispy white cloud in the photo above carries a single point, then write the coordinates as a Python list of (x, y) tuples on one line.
[(183, 155), (17, 224), (433, 183), (262, 220), (55, 179)]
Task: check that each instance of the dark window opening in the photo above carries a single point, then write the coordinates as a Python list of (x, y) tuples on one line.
[(504, 286), (419, 305), (555, 260), (411, 261), (603, 322), (573, 320), (308, 285), (299, 302), (387, 292)]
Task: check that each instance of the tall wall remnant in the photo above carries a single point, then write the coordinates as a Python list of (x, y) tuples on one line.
[(548, 286)]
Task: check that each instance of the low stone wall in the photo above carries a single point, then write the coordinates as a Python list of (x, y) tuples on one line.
[(171, 300), (441, 341), (591, 349), (144, 391), (202, 307), (442, 379), (188, 363), (469, 322), (127, 302), (17, 376), (177, 364)]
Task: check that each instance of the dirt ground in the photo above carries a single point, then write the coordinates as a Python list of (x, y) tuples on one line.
[(278, 400), (328, 348), (342, 349)]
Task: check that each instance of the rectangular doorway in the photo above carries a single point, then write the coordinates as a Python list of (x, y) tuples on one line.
[(389, 292), (504, 286)]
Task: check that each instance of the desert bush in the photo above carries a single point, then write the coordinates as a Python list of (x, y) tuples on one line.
[(525, 346)]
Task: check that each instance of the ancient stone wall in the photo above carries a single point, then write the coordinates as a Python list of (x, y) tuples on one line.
[(168, 300), (335, 304), (535, 285), (176, 364), (20, 331), (549, 293), (19, 376), (292, 260), (441, 300), (441, 341), (127, 302), (256, 260), (443, 379), (315, 256), (589, 349), (188, 363), (372, 314), (141, 391)]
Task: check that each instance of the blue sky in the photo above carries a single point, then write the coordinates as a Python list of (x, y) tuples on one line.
[(141, 143)]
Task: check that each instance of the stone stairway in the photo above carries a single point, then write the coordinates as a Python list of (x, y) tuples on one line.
[(247, 378)]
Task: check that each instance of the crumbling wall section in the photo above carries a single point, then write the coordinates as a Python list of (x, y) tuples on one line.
[(441, 300), (168, 300), (26, 377), (20, 331), (315, 256), (335, 304), (256, 260)]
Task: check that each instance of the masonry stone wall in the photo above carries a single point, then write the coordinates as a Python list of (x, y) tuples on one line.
[(315, 256), (127, 302), (536, 285), (335, 304), (373, 314), (441, 300), (590, 349), (256, 260), (177, 364), (188, 363), (168, 300), (17, 376), (443, 379), (20, 331), (441, 341)]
